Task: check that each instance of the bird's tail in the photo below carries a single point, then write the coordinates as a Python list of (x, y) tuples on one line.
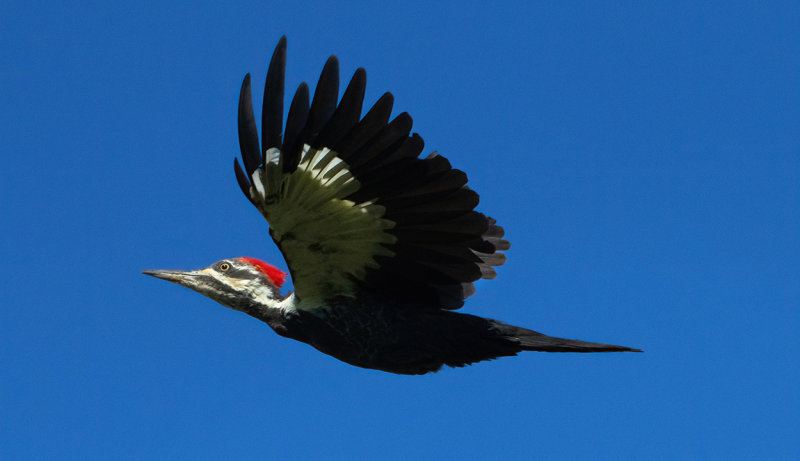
[(530, 340)]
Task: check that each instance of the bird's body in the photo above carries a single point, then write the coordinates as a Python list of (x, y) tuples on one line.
[(394, 338), (369, 332), (382, 245)]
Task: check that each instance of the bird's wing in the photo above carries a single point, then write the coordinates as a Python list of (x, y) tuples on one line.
[(349, 202)]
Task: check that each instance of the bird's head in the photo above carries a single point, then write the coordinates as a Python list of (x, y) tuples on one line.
[(243, 284)]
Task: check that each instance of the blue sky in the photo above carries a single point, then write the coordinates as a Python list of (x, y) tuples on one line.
[(643, 159)]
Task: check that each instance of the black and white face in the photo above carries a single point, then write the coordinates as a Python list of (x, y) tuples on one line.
[(237, 283)]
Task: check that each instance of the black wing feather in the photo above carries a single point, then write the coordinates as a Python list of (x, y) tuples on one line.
[(295, 121), (348, 113), (370, 125), (387, 140), (272, 108), (248, 134), (241, 178), (325, 96)]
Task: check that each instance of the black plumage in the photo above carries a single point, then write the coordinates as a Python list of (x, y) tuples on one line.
[(248, 136), (347, 114), (272, 107), (295, 121), (375, 119)]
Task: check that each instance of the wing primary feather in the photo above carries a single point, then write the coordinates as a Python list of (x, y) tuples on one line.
[(295, 121), (388, 140), (442, 253), (439, 185), (248, 134), (499, 244), (431, 273), (325, 96), (272, 108), (400, 178), (241, 178), (410, 148), (347, 113), (471, 223), (369, 126)]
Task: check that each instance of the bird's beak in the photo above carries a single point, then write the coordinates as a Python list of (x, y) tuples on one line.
[(179, 277)]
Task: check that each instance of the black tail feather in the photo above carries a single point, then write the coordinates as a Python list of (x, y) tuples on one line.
[(530, 340), (544, 343)]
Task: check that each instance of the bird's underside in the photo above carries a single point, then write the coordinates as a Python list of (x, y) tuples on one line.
[(382, 244)]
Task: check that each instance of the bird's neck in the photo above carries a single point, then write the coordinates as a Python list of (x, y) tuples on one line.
[(270, 309)]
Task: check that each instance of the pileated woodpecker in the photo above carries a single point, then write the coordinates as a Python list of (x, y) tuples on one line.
[(382, 245)]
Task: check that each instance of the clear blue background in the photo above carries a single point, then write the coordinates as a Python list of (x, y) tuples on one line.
[(644, 159)]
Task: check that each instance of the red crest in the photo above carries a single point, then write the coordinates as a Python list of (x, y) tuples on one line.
[(275, 275)]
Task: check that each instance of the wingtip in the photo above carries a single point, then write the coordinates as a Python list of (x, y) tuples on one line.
[(386, 99), (272, 104), (279, 54), (405, 119), (244, 91), (331, 61)]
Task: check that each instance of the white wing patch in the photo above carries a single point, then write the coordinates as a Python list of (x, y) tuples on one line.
[(329, 242)]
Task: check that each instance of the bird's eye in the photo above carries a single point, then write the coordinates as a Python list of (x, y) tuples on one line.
[(224, 267)]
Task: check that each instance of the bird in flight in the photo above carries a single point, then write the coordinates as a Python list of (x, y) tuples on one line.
[(382, 245)]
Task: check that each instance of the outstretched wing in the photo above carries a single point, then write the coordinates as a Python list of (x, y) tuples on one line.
[(349, 202)]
